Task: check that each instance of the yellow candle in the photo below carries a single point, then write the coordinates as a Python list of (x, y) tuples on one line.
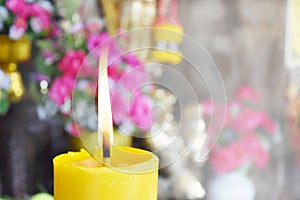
[(133, 176)]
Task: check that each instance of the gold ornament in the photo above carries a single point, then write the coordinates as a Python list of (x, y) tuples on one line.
[(130, 14), (16, 90), (112, 15), (13, 52), (168, 33)]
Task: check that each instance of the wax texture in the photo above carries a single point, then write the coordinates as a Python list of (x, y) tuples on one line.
[(133, 176)]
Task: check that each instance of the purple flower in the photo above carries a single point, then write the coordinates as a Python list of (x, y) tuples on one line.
[(41, 77)]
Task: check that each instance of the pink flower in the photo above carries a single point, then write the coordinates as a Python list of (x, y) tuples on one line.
[(132, 60), (257, 153), (246, 93), (222, 160), (17, 30), (268, 124), (95, 39), (89, 71), (55, 30), (245, 144), (39, 24), (17, 6), (247, 120), (134, 78), (260, 158), (93, 27), (40, 16), (140, 112), (240, 152), (74, 129), (71, 62), (251, 142), (119, 106), (61, 89), (21, 22), (115, 72), (228, 158), (38, 11)]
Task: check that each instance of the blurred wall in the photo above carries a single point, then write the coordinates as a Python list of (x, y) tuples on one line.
[(245, 38)]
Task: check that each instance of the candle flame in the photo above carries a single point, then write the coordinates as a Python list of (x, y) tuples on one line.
[(105, 124)]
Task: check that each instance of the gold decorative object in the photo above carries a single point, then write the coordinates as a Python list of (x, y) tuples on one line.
[(168, 33), (13, 52), (138, 14), (111, 12), (130, 14)]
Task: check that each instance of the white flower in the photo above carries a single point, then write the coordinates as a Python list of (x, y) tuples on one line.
[(77, 28), (127, 127), (36, 25), (3, 13), (4, 81), (46, 5), (85, 115), (16, 33)]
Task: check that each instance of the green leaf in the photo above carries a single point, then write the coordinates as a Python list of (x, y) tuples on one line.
[(4, 103), (47, 70)]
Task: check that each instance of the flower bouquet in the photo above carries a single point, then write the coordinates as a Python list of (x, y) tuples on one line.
[(243, 134), (20, 22), (67, 80), (20, 17)]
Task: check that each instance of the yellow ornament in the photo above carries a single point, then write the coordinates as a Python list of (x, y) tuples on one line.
[(168, 34), (16, 90), (13, 52)]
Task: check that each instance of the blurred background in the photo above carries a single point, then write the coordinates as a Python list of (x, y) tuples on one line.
[(242, 55)]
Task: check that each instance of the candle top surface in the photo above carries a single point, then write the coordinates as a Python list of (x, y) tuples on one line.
[(124, 159)]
